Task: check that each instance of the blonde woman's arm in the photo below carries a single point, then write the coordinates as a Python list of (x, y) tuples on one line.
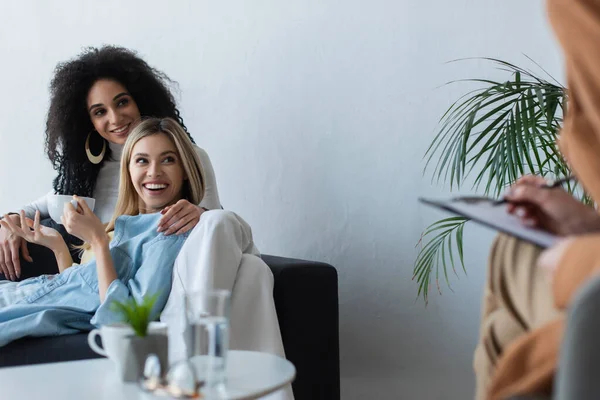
[(105, 267), (33, 232), (85, 225), (152, 278)]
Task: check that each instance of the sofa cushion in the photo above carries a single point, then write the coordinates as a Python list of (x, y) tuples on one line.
[(46, 349)]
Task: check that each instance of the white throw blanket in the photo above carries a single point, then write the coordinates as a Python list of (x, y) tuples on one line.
[(220, 254)]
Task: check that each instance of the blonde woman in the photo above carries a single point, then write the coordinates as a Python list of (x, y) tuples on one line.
[(126, 258)]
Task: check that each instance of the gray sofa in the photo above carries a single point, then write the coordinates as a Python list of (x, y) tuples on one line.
[(306, 299)]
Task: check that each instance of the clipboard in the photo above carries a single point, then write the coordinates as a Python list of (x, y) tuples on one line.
[(488, 212)]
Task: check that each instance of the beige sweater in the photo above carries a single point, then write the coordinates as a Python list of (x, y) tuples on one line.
[(529, 364)]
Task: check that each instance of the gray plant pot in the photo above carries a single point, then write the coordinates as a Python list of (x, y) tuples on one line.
[(137, 350)]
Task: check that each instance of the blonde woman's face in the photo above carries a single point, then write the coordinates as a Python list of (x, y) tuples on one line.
[(156, 172)]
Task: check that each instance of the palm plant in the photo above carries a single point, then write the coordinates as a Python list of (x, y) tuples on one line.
[(495, 133)]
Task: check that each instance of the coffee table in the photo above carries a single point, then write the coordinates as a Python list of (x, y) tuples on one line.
[(250, 375)]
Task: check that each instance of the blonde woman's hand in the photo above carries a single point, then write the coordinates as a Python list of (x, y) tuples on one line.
[(10, 244), (179, 218), (82, 222), (33, 232)]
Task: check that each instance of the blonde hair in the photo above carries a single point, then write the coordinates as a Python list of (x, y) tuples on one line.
[(128, 202)]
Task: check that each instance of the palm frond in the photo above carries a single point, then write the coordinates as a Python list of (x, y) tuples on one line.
[(500, 122), (498, 131), (440, 235)]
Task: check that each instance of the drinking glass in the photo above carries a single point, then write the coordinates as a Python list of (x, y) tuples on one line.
[(207, 335)]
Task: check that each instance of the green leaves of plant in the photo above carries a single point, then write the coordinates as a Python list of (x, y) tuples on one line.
[(138, 315), (495, 130), (433, 255), (500, 131)]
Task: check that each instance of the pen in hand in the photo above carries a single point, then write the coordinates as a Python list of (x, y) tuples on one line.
[(551, 184)]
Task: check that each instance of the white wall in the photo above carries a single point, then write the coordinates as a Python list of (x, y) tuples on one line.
[(316, 115)]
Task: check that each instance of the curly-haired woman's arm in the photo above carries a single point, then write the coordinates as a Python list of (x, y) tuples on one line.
[(40, 204), (211, 194)]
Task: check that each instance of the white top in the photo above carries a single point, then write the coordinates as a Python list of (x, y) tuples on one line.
[(250, 375), (106, 191)]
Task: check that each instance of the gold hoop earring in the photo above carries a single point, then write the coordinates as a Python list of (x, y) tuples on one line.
[(94, 159)]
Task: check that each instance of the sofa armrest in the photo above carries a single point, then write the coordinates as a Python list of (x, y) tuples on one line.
[(306, 299)]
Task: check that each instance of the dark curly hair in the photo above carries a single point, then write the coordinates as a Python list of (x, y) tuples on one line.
[(68, 122)]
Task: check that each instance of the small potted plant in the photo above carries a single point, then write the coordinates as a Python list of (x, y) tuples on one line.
[(142, 343)]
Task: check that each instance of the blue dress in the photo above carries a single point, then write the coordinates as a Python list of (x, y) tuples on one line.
[(69, 302)]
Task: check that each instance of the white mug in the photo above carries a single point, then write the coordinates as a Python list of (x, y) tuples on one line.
[(56, 205), (113, 341)]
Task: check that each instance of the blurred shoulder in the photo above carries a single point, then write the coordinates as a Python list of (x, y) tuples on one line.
[(202, 154)]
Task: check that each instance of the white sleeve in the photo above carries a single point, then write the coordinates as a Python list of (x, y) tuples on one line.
[(39, 204), (211, 194)]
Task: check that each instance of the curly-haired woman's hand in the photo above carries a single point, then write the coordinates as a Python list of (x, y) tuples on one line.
[(179, 218), (10, 245)]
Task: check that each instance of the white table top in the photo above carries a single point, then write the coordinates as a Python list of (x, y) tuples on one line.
[(249, 375)]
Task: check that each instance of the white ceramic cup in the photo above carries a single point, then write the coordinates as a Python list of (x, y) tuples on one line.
[(113, 341), (56, 205)]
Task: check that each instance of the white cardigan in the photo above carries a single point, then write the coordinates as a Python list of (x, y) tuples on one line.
[(107, 187)]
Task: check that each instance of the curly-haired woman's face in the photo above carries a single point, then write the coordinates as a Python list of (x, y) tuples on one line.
[(112, 110)]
